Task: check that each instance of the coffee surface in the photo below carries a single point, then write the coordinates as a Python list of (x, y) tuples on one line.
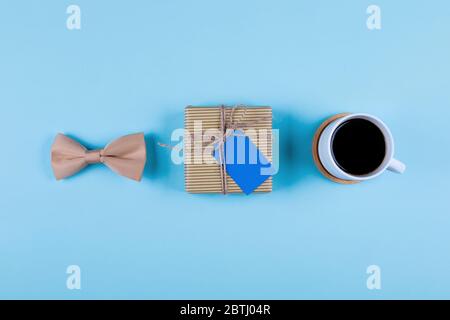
[(358, 146)]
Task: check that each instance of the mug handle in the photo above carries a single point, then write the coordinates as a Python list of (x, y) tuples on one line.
[(396, 166)]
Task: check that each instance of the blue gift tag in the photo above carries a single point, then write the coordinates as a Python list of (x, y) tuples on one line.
[(245, 164)]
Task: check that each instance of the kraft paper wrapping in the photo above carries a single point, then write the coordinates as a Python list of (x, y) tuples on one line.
[(201, 177)]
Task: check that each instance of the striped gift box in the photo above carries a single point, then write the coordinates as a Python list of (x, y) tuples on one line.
[(201, 171)]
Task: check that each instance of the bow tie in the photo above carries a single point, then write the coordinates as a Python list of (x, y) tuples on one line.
[(125, 156)]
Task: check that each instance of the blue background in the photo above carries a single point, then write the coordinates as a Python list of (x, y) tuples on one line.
[(135, 65)]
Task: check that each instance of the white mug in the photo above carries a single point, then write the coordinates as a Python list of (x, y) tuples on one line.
[(326, 154)]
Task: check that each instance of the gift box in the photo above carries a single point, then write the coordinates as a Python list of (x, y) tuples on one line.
[(228, 149)]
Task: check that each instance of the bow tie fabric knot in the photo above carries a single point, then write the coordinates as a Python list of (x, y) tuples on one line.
[(93, 156), (126, 156)]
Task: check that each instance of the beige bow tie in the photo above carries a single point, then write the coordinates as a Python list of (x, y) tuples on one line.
[(125, 156)]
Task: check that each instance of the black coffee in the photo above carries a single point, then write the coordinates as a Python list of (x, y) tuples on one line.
[(358, 146)]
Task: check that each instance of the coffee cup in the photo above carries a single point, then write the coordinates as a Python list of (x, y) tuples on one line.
[(357, 147)]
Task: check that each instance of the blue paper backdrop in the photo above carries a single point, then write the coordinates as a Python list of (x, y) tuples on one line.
[(135, 65)]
